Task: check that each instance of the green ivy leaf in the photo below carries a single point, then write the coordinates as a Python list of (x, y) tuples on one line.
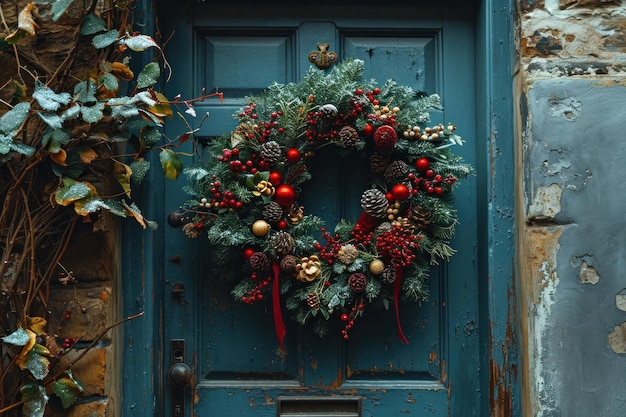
[(138, 43), (105, 39), (109, 81), (48, 99), (148, 75), (171, 163), (85, 92), (140, 168), (55, 139), (92, 24), (72, 191), (35, 399), (68, 390), (37, 364), (59, 7), (149, 136), (13, 119)]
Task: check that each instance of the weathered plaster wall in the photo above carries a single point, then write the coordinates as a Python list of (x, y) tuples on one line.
[(572, 248)]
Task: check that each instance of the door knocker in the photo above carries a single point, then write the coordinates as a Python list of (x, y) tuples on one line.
[(322, 58)]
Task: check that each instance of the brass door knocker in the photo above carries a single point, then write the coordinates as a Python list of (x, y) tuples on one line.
[(322, 58)]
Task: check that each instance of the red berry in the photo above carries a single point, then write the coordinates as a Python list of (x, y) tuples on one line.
[(345, 317), (368, 131)]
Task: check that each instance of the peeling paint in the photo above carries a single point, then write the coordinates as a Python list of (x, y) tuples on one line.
[(567, 108), (546, 203), (620, 300), (617, 338), (588, 274)]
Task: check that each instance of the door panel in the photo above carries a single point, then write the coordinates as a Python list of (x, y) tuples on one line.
[(238, 365)]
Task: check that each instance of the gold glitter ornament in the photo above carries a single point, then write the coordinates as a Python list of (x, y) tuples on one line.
[(377, 267), (260, 228)]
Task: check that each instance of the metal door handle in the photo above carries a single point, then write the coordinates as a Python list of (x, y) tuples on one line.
[(179, 376)]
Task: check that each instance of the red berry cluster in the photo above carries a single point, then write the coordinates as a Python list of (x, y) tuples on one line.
[(398, 245), (273, 126), (68, 342), (431, 182), (256, 293), (364, 229), (349, 318), (329, 252), (221, 198), (249, 111)]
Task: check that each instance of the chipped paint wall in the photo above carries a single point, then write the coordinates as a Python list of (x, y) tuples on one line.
[(571, 156)]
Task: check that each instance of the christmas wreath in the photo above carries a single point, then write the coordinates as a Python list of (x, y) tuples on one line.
[(245, 198)]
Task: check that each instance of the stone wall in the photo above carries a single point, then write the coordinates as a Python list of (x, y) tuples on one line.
[(571, 89)]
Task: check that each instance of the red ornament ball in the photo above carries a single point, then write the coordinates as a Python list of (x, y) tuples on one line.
[(276, 178), (247, 253), (400, 192), (282, 224), (385, 137), (293, 155), (368, 131), (422, 164), (285, 195)]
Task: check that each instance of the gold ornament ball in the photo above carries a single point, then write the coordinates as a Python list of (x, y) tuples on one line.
[(377, 267), (260, 228)]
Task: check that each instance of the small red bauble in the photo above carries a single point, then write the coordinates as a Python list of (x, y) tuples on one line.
[(368, 131), (422, 164), (285, 195), (247, 253), (400, 192), (282, 224), (293, 155), (275, 178)]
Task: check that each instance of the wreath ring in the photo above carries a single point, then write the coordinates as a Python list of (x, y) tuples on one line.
[(245, 198)]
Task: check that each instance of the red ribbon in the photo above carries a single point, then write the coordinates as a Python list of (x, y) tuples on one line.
[(279, 325), (396, 299)]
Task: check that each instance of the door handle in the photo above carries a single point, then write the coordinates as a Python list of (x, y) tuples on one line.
[(179, 376)]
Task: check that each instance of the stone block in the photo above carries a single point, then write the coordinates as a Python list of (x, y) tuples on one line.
[(89, 312)]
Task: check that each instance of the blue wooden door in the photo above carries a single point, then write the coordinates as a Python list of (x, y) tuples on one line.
[(231, 347)]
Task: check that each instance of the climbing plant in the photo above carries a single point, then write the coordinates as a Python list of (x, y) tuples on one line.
[(80, 109)]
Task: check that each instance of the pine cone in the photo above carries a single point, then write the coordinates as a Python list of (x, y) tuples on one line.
[(382, 228), (191, 231), (288, 264), (260, 262), (396, 171), (282, 242), (421, 217), (348, 136), (357, 282), (379, 162), (385, 138), (272, 212), (313, 300), (347, 254), (389, 275), (329, 111), (374, 203), (270, 151)]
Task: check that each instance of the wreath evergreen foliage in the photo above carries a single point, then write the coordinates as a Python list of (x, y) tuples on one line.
[(245, 199)]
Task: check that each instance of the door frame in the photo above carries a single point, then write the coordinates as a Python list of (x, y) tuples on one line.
[(143, 367)]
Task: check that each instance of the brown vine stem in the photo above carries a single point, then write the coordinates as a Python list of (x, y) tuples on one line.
[(92, 344)]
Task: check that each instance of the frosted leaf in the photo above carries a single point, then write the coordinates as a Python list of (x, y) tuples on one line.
[(85, 92), (5, 144), (38, 365), (105, 39), (23, 149), (138, 43), (13, 119), (48, 99), (92, 114), (53, 120), (139, 168), (109, 81), (35, 399), (18, 338), (148, 75)]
